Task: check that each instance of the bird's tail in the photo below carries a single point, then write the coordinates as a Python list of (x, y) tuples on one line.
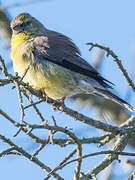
[(108, 95)]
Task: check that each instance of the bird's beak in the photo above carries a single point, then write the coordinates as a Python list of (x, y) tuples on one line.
[(17, 28)]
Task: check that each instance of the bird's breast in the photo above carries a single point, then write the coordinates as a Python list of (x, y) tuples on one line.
[(57, 81), (23, 58), (42, 74)]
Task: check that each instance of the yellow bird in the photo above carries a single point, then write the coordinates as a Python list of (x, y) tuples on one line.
[(54, 62)]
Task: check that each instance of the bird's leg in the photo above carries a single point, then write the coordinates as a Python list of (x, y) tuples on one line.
[(43, 95), (61, 101)]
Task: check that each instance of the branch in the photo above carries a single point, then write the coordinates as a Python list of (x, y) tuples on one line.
[(118, 62), (61, 142), (28, 156), (123, 133), (20, 101), (66, 110), (110, 152), (118, 147), (35, 108), (71, 135), (61, 163), (7, 151)]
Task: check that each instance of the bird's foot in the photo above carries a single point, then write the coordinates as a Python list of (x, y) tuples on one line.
[(61, 104), (43, 95), (61, 101)]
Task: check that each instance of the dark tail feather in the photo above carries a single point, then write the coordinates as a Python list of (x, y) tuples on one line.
[(108, 95)]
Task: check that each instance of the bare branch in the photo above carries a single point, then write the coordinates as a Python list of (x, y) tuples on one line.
[(119, 146), (61, 163), (20, 101), (35, 108), (118, 62), (70, 112), (4, 69), (96, 154), (38, 150), (7, 151), (122, 134), (28, 156), (61, 142), (71, 135), (34, 103)]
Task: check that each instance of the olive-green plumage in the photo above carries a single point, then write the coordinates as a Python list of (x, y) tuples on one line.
[(54, 61)]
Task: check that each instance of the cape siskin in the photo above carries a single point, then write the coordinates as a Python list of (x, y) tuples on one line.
[(55, 63)]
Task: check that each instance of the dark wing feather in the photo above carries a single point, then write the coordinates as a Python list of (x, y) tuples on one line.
[(60, 50)]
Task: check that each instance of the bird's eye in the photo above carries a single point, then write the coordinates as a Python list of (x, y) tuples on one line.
[(24, 24)]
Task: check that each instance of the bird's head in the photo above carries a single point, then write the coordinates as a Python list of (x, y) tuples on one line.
[(26, 24)]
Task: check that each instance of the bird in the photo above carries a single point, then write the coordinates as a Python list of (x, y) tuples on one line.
[(51, 62)]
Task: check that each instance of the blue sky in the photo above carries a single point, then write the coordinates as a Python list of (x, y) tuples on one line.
[(111, 23)]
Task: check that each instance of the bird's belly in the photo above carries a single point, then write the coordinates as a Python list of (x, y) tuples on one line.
[(60, 82), (55, 81), (56, 91), (35, 79)]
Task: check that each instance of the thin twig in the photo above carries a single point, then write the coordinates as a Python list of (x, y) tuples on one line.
[(96, 154), (118, 62), (123, 133), (61, 163), (4, 69), (34, 103), (71, 135), (118, 147), (16, 124), (25, 72), (61, 142), (5, 152), (91, 122), (4, 82), (20, 101), (36, 109), (70, 112), (28, 156), (38, 150), (54, 121)]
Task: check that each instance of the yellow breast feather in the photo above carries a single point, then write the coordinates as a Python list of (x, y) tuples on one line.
[(46, 75)]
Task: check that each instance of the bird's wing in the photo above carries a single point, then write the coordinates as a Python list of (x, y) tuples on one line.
[(60, 50)]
